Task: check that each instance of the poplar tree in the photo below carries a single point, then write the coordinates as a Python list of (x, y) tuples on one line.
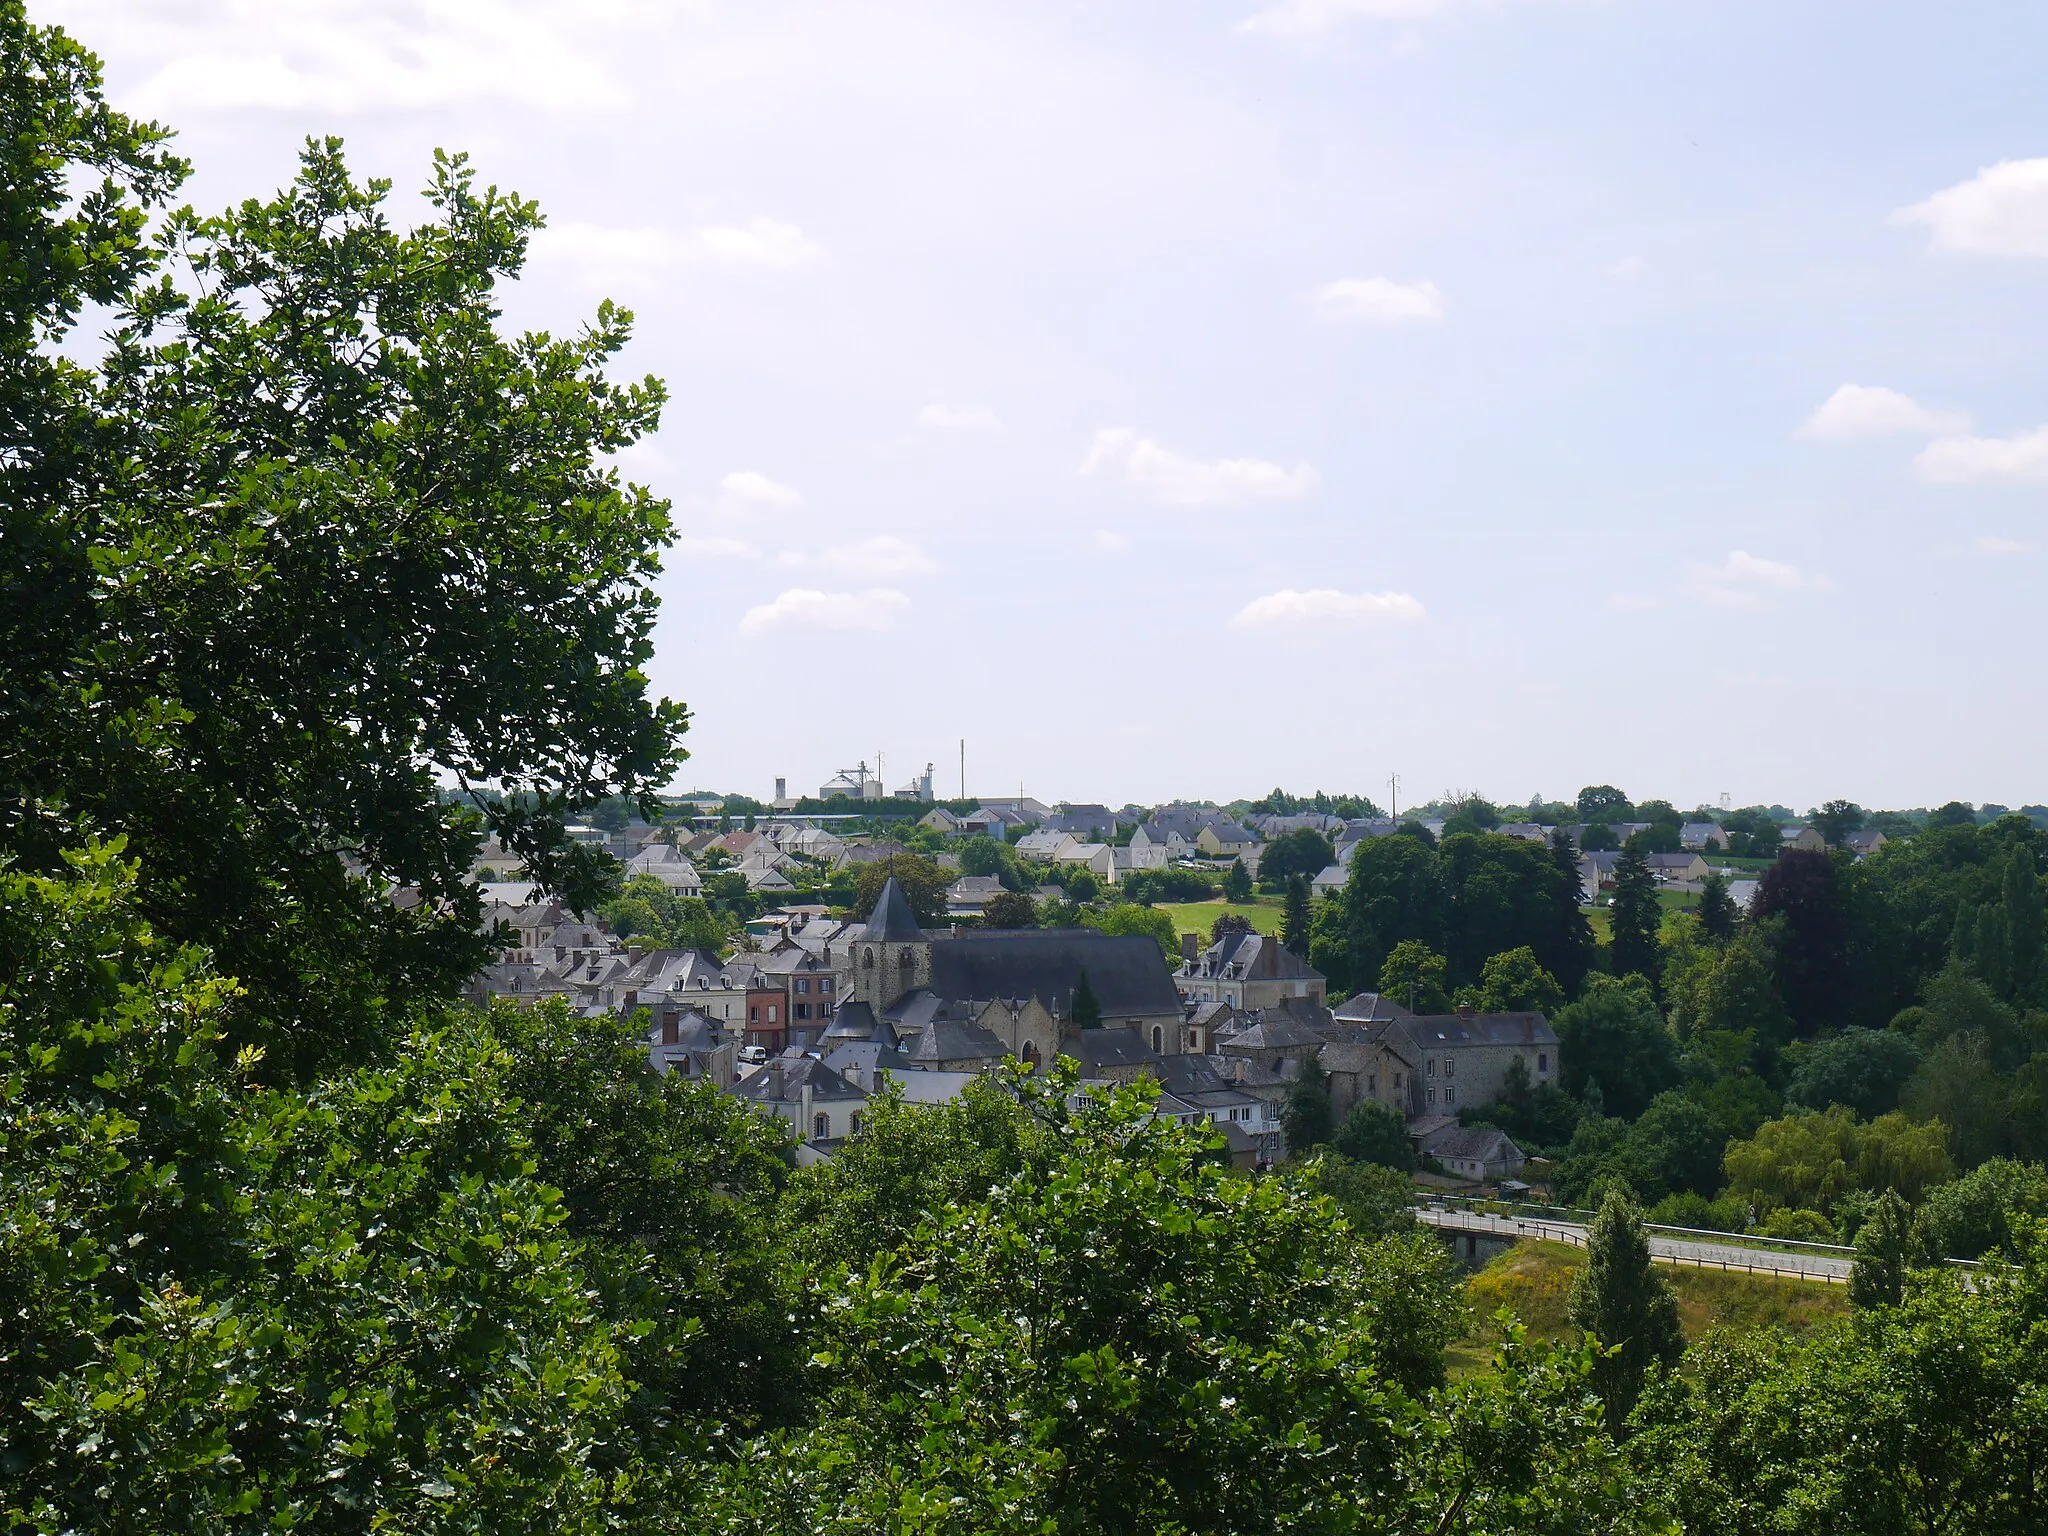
[(1879, 1278), (2026, 925), (1635, 916), (1294, 923)]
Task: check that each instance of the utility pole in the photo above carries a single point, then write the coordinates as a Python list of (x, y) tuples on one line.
[(963, 767), (1394, 798)]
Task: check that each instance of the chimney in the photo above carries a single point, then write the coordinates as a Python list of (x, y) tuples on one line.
[(1465, 1012), (782, 789), (1191, 947), (803, 1124)]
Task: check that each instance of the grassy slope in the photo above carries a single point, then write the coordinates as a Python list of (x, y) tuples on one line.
[(1534, 1280)]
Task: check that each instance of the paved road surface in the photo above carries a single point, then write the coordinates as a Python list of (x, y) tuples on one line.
[(1832, 1268)]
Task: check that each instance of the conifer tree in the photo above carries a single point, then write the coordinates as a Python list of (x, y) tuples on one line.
[(1635, 916), (1086, 1008), (1882, 1250), (1621, 1300), (1308, 1120), (2026, 926), (1294, 924), (1717, 909)]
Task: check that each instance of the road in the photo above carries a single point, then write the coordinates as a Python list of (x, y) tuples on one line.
[(1830, 1268)]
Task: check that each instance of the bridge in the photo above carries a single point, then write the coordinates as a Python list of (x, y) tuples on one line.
[(1822, 1262)]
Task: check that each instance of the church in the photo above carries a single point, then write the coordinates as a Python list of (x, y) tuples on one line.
[(963, 1001)]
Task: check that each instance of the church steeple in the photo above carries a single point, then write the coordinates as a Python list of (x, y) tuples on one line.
[(891, 954)]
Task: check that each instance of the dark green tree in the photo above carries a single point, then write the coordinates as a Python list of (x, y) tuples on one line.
[(1086, 1008), (1294, 923), (1414, 977), (1228, 925), (1603, 803), (1811, 953), (1598, 838), (1883, 1253), (1010, 909), (1308, 1120), (1836, 820), (1512, 982), (1635, 918), (2026, 926), (1862, 1068), (923, 883), (1304, 851), (1718, 916), (1375, 1133), (1395, 893), (1624, 1303), (1614, 1035), (1237, 884), (1957, 813)]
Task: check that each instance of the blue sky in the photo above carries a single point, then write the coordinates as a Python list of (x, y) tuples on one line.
[(1183, 399)]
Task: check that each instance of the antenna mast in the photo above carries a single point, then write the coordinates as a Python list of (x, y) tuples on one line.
[(1394, 797)]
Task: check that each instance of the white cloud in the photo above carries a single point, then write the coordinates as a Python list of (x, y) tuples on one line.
[(959, 418), (878, 558), (1866, 410), (1168, 477), (1991, 544), (1323, 608), (713, 548), (746, 492), (801, 608), (1380, 301), (1301, 18), (1742, 580), (2001, 211), (1106, 541), (1962, 460), (339, 57), (756, 243)]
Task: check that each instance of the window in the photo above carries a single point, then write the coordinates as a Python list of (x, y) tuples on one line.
[(1397, 1079), (821, 1127), (868, 959), (1432, 1098), (1450, 1096), (1429, 1067), (753, 1013), (1450, 1066), (1372, 1083), (853, 1123), (803, 1010), (825, 984), (803, 986), (1543, 1061), (1158, 1040), (772, 1013), (907, 961)]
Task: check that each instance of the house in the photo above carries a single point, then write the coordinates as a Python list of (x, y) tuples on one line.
[(1090, 822), (1046, 844), (1596, 872), (1864, 842), (820, 1106), (1331, 881), (1475, 1152), (1250, 971), (1155, 847), (1222, 838), (1278, 1040), (1020, 810), (1806, 839), (1699, 836), (1462, 1059), (940, 820), (1099, 857), (970, 895), (1373, 1063), (1527, 831), (1369, 1008), (691, 1043), (1271, 826), (1671, 867), (667, 866)]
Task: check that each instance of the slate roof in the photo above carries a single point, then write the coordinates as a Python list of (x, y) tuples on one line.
[(782, 1082), (1370, 1007), (1478, 1143), (1252, 957), (857, 1021), (1096, 1049), (1127, 971), (1275, 1031), (892, 921), (1438, 1029), (947, 1039)]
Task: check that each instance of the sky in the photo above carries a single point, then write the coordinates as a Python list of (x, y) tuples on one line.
[(1185, 399)]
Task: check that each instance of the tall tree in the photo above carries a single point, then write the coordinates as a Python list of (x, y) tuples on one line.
[(923, 882), (1514, 983), (1718, 916), (2026, 926), (1621, 1300), (1603, 803), (1295, 921), (1304, 851), (1414, 977), (1010, 909), (1395, 893), (1812, 945), (1086, 1008), (1237, 883), (1836, 820), (1308, 1118), (357, 546), (1635, 917), (1883, 1250)]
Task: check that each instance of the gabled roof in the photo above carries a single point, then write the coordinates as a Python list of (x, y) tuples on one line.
[(892, 921), (1097, 1049), (1370, 1007), (947, 1039), (1275, 1031), (1477, 1143), (782, 1082), (857, 1021), (1441, 1029)]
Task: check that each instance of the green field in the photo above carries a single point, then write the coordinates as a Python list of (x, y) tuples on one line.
[(1534, 1281), (1200, 916)]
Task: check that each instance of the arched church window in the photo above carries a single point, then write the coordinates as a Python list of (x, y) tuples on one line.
[(1158, 1041), (907, 962), (868, 960), (1030, 1054)]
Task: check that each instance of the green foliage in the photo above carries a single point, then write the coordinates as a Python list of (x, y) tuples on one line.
[(1884, 1251), (1129, 918), (1010, 909), (1085, 1011), (1604, 803), (648, 912), (1308, 1120), (1513, 982), (924, 885), (1298, 921), (1148, 886), (1674, 1148), (1237, 884), (1634, 917), (1627, 1306), (333, 486), (1305, 852), (1414, 977), (1615, 1036), (1803, 898), (1376, 1133), (1811, 1160), (1836, 820), (1862, 1068), (1376, 1200), (1978, 1213), (1718, 916)]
